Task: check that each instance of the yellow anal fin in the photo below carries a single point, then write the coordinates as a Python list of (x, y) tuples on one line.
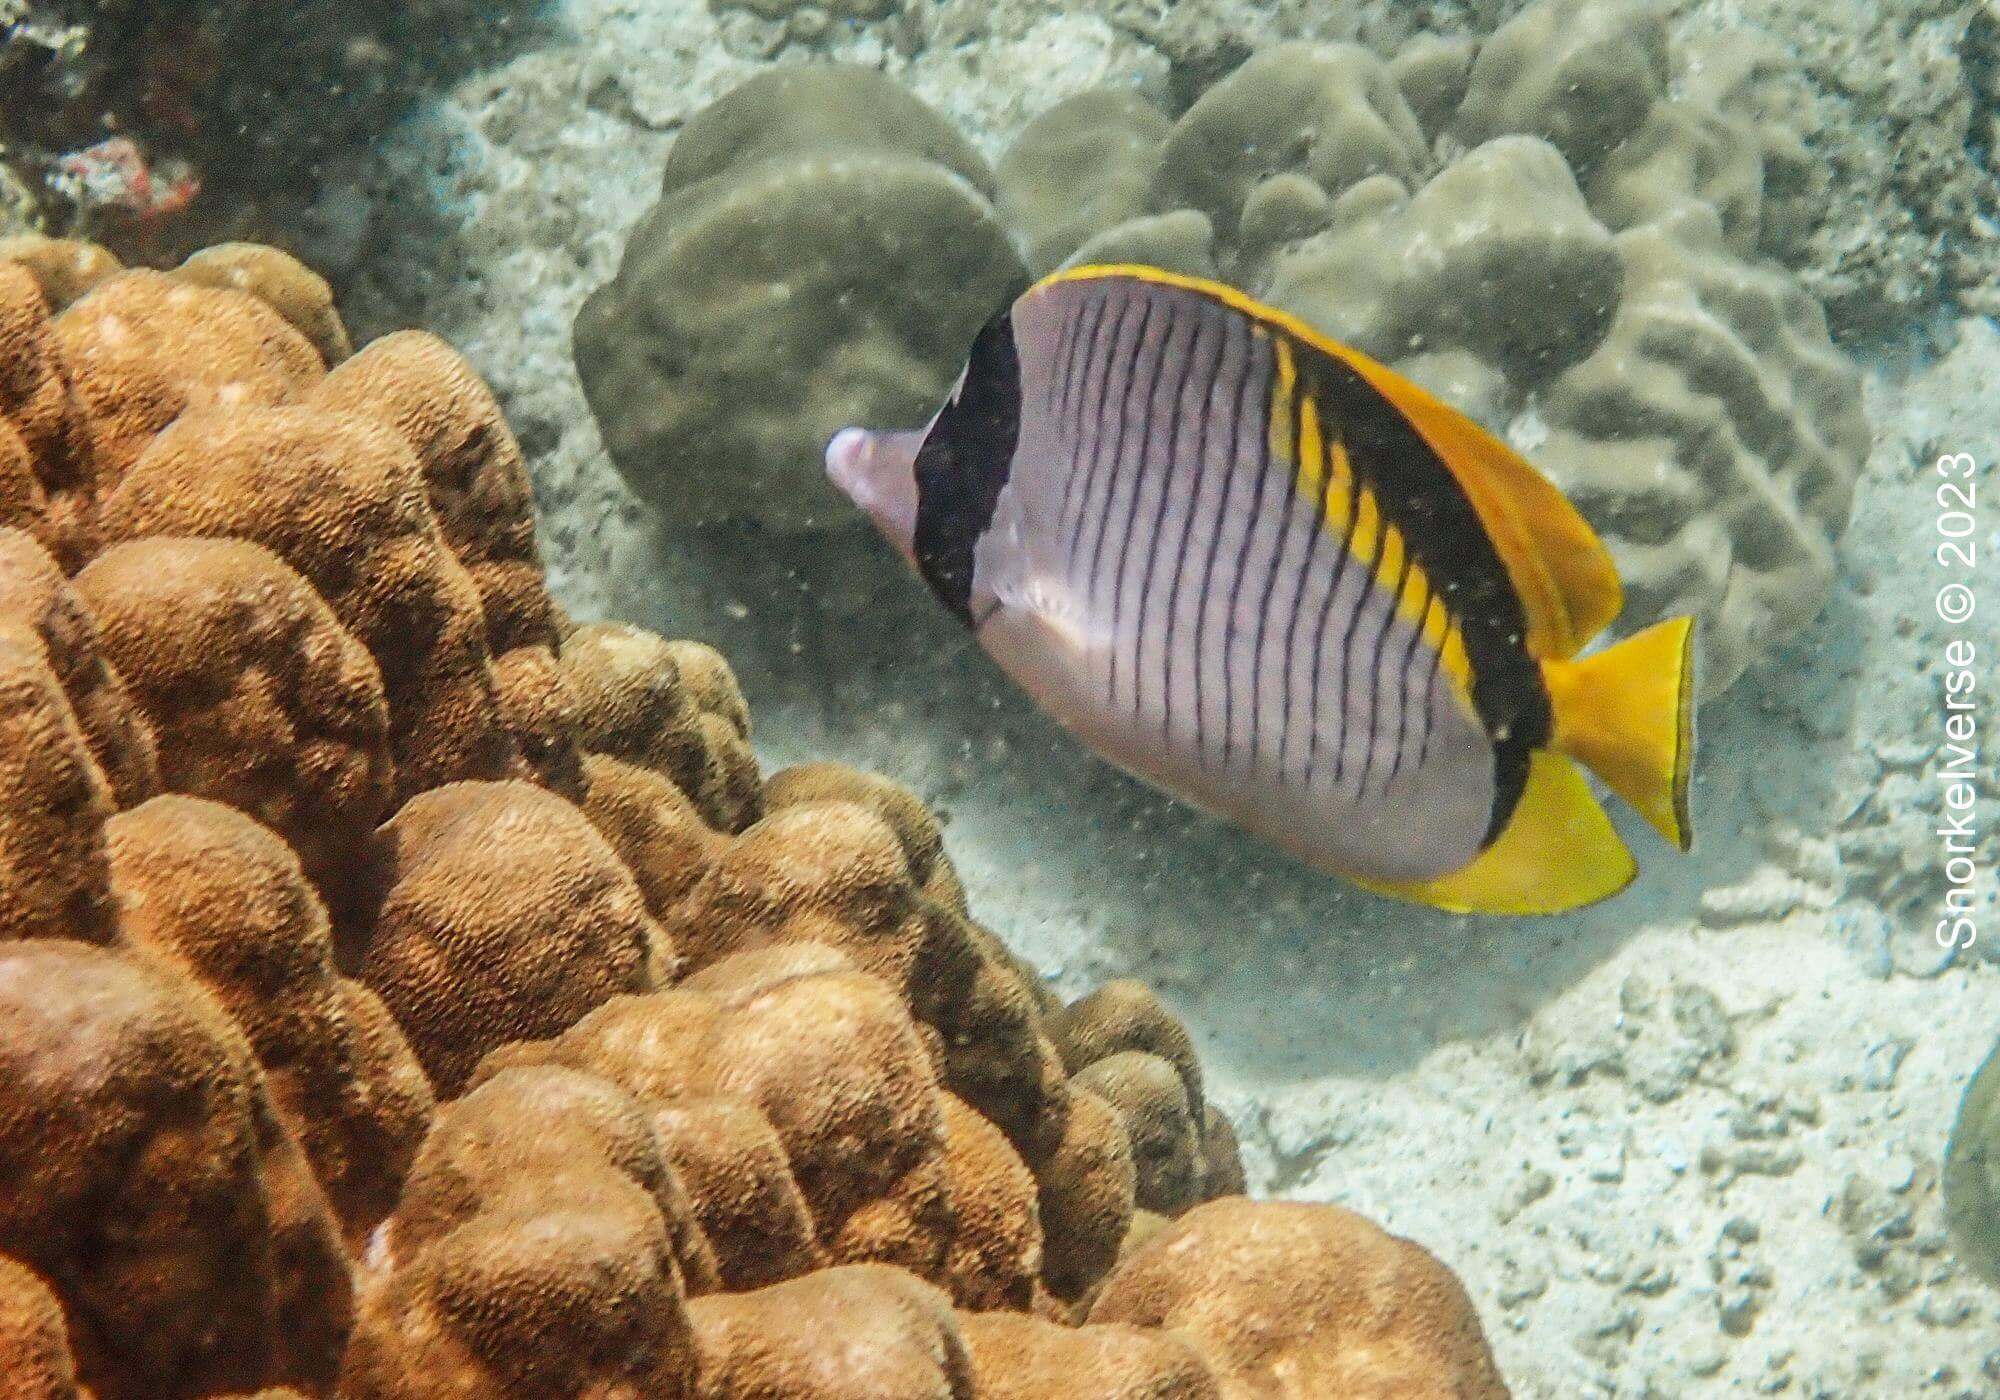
[(1557, 852), (1627, 714)]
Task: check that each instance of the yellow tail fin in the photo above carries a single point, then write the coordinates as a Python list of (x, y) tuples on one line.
[(1627, 714)]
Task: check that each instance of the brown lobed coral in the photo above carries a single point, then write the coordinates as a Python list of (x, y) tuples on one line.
[(405, 992)]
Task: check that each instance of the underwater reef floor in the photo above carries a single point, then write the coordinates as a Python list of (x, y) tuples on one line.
[(1687, 1143)]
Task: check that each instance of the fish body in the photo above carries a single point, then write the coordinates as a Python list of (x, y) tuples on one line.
[(1276, 579)]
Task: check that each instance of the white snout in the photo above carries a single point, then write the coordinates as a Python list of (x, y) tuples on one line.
[(877, 471)]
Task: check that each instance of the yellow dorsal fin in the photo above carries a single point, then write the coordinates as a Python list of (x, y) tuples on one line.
[(1557, 852), (1559, 568), (1567, 584)]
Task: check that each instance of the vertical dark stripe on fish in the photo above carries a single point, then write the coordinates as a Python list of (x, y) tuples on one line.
[(1169, 428), (1088, 415), (1313, 541), (1436, 663), (1353, 619), (1149, 437), (963, 464), (1377, 709), (1417, 490), (1209, 385), (1416, 629), (1287, 504), (1329, 430), (1103, 460), (1201, 653), (1127, 473), (1082, 345), (1059, 360), (1263, 475), (1125, 363)]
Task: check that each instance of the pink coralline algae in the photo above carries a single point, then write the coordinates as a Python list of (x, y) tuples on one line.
[(115, 174)]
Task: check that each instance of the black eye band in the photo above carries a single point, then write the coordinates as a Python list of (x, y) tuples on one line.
[(963, 465)]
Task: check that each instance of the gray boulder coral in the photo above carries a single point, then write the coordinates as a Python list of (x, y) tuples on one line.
[(1535, 229), (1566, 230), (1714, 435), (1581, 74), (824, 248)]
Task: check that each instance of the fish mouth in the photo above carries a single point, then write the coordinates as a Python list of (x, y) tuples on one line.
[(877, 471), (847, 463)]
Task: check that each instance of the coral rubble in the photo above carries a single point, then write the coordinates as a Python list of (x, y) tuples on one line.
[(407, 992)]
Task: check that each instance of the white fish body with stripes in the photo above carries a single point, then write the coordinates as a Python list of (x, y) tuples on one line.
[(1276, 579)]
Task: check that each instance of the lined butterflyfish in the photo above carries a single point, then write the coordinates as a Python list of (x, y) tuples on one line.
[(1280, 581)]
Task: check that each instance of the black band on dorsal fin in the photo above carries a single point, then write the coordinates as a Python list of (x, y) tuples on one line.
[(964, 462), (1442, 531)]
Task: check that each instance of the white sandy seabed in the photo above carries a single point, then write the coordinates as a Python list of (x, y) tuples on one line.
[(1685, 1144)]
